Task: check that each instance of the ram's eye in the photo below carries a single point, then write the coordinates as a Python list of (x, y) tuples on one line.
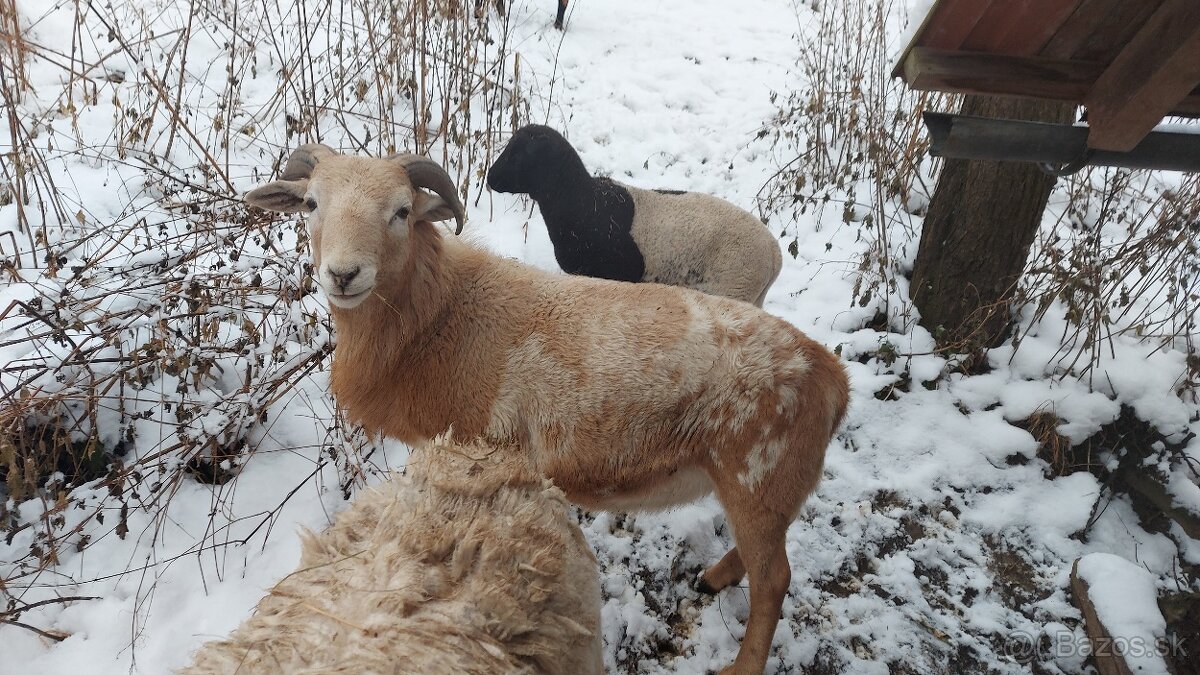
[(402, 214), (311, 204)]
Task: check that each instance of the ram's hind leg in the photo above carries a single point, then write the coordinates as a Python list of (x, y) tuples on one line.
[(759, 529), (724, 574)]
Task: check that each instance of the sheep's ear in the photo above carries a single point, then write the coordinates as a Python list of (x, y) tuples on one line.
[(282, 196), (431, 207)]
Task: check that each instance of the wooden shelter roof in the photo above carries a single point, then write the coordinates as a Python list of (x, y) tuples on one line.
[(1129, 62)]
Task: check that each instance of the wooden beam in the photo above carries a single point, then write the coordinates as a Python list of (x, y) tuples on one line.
[(1153, 73), (998, 75), (1022, 76)]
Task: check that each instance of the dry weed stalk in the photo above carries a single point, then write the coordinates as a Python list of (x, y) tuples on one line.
[(16, 52), (178, 310), (1125, 260), (856, 133)]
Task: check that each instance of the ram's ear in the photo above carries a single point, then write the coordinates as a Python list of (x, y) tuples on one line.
[(282, 196), (431, 207)]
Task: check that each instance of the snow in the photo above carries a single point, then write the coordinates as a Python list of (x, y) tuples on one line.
[(1186, 127), (1126, 602), (915, 12), (938, 541)]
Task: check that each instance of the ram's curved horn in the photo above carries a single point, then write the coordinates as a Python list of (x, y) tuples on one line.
[(303, 159), (425, 173)]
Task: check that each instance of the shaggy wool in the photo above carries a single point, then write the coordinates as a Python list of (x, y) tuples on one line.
[(470, 563)]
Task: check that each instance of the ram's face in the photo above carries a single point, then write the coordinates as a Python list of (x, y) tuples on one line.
[(359, 211), (359, 217)]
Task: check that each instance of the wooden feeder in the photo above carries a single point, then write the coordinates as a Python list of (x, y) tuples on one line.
[(1130, 63)]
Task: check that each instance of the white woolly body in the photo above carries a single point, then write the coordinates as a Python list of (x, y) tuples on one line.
[(699, 241), (471, 564)]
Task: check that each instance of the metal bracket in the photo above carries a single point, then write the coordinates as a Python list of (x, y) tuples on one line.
[(1070, 167)]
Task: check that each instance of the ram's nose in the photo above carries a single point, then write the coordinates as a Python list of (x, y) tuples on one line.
[(342, 278)]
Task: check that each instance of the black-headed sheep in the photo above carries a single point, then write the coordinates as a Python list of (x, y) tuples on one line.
[(471, 564), (606, 229), (627, 396)]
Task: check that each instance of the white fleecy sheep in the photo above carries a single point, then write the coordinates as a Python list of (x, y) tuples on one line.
[(627, 396), (606, 229), (470, 564)]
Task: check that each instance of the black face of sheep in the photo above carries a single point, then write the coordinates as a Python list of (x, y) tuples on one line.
[(532, 162)]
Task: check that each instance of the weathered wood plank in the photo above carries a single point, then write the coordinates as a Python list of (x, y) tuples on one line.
[(1121, 22), (1154, 72), (1108, 661), (1088, 17), (1018, 27), (1153, 490), (997, 20), (951, 22), (945, 26), (1028, 38), (994, 74), (997, 75)]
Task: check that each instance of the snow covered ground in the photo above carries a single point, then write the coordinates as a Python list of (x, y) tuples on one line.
[(935, 543)]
